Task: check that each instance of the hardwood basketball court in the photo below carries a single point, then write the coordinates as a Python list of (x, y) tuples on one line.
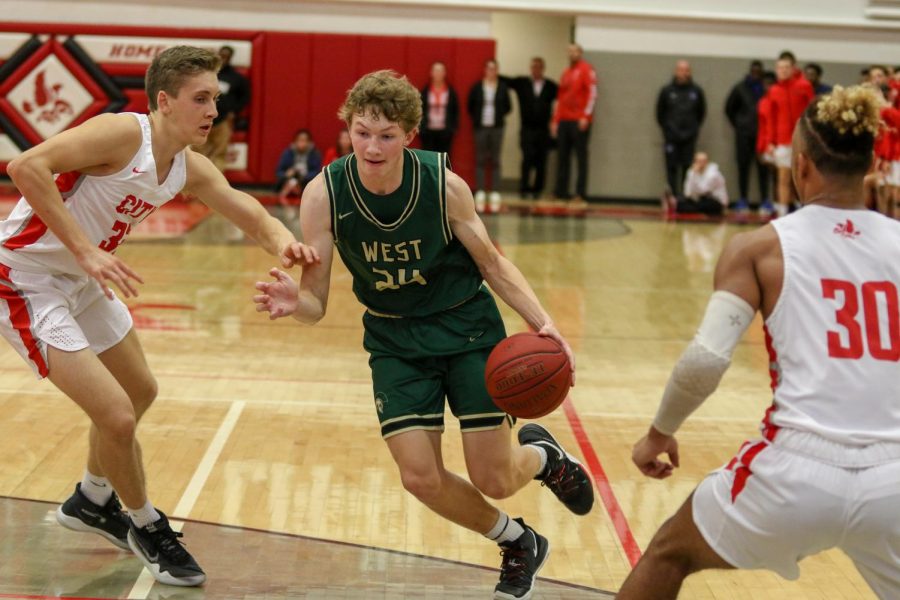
[(264, 436)]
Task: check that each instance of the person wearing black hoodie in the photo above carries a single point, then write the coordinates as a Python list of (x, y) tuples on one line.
[(740, 108), (680, 110)]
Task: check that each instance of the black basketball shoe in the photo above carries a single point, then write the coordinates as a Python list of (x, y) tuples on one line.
[(163, 554), (80, 514), (522, 559), (564, 475)]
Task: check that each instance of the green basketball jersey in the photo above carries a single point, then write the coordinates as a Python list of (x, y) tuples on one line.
[(399, 247)]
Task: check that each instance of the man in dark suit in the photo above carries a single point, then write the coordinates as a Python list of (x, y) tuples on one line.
[(536, 95), (488, 105)]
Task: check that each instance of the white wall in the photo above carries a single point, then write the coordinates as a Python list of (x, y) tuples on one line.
[(520, 36), (699, 37), (277, 15)]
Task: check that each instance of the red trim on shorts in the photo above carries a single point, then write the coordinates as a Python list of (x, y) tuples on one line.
[(743, 472), (35, 227), (21, 321), (770, 429)]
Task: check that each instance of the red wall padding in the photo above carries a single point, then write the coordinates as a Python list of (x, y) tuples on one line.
[(300, 79)]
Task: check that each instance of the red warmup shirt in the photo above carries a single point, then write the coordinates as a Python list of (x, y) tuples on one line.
[(887, 146), (789, 99), (577, 93), (763, 123)]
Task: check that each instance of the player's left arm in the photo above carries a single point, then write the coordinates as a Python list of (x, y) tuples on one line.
[(209, 185), (697, 373), (498, 271)]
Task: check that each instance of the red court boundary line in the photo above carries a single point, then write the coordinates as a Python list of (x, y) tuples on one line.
[(613, 509), (616, 515)]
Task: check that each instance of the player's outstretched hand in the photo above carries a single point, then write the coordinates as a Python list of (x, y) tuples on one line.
[(551, 332), (297, 253), (646, 451), (106, 267), (279, 297)]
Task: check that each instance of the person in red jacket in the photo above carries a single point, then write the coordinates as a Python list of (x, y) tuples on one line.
[(789, 97), (887, 146), (571, 124), (763, 133)]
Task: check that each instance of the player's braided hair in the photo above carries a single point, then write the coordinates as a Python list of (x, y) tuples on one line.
[(840, 129), (171, 67), (384, 93)]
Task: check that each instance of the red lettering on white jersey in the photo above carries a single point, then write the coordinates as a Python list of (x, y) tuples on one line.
[(834, 335)]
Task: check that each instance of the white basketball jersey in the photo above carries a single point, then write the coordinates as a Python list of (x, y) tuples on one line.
[(834, 335), (106, 208)]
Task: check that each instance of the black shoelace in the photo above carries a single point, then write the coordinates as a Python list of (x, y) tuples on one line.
[(561, 481), (169, 545), (512, 569)]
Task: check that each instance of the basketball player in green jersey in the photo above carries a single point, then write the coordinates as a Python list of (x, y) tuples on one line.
[(406, 228)]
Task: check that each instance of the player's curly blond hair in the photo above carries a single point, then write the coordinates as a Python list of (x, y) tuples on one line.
[(384, 94), (840, 128)]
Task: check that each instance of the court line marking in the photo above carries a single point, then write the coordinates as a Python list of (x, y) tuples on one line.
[(145, 581), (613, 509)]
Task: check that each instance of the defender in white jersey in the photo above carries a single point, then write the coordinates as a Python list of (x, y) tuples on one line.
[(57, 258), (826, 471)]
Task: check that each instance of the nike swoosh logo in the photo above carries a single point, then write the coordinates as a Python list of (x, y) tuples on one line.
[(472, 338), (135, 170), (95, 515), (98, 484), (341, 217)]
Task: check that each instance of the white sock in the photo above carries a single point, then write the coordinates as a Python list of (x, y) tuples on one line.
[(505, 530), (542, 454), (96, 489), (145, 515)]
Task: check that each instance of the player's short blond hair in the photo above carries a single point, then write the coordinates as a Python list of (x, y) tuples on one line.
[(171, 67), (384, 93)]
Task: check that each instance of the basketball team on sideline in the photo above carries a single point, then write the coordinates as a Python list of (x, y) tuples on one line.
[(825, 473)]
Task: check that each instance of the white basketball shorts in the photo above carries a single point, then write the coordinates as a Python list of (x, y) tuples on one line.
[(782, 157), (893, 174), (70, 313), (774, 504)]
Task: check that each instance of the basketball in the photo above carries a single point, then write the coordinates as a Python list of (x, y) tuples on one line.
[(528, 375)]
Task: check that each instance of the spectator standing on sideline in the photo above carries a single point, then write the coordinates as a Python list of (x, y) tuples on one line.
[(440, 111), (813, 74), (763, 127), (234, 95), (572, 120), (488, 104), (680, 111), (740, 108), (536, 95), (790, 96)]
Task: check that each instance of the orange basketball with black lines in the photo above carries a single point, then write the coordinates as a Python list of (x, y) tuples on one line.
[(528, 375)]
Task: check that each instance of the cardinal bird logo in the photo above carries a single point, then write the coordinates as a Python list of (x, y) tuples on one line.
[(847, 230)]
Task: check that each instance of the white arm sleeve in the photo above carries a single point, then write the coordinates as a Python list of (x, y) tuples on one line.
[(700, 368)]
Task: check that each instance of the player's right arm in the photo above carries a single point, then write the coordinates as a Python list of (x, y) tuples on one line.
[(308, 301), (100, 146), (747, 278)]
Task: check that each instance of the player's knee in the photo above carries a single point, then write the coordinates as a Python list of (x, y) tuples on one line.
[(118, 426), (492, 485), (424, 485), (145, 395)]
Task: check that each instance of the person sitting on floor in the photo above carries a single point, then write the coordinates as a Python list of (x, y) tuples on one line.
[(704, 190)]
